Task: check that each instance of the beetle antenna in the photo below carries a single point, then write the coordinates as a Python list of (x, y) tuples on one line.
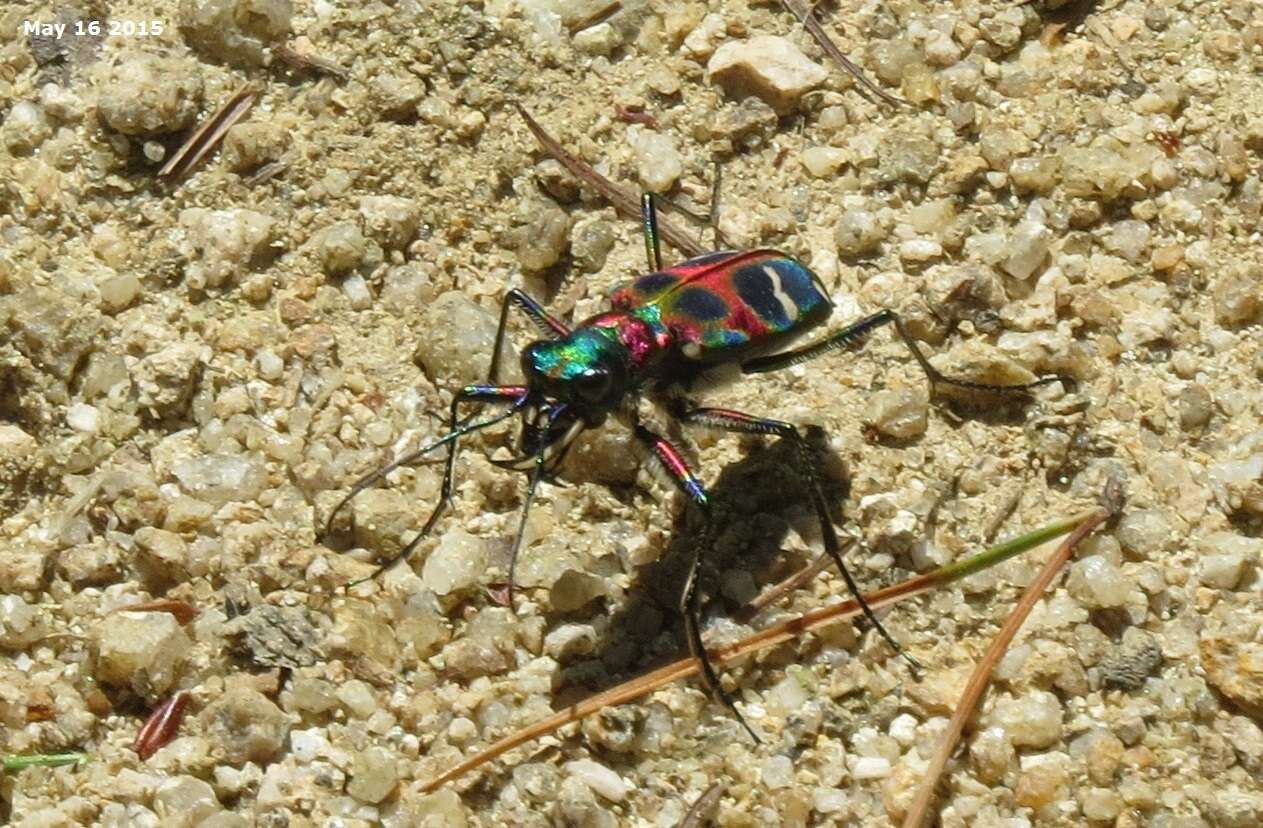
[(408, 459)]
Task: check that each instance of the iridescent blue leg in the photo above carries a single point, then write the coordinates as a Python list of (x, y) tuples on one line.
[(729, 420), (853, 336), (649, 224), (675, 465)]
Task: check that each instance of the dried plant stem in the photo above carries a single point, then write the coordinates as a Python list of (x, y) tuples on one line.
[(916, 816), (777, 634), (622, 200), (798, 579), (207, 136), (700, 810), (812, 25), (302, 60)]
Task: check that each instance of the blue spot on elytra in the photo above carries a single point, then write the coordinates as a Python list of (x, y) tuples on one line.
[(755, 288), (655, 283), (701, 304)]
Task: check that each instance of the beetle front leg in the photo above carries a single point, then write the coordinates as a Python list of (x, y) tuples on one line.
[(742, 423), (690, 600)]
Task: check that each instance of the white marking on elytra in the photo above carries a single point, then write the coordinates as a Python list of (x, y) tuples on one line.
[(692, 350), (787, 304)]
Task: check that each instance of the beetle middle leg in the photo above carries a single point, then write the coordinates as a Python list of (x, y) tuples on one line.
[(742, 423), (854, 334), (690, 599)]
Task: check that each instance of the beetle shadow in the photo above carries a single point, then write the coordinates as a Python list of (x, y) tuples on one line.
[(756, 503)]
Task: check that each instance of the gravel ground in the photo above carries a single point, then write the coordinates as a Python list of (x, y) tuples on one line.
[(193, 372)]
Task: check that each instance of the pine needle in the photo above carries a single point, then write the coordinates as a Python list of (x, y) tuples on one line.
[(621, 199), (917, 814), (207, 136), (13, 764), (788, 630), (813, 27)]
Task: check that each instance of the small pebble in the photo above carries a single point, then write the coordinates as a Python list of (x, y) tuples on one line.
[(575, 590), (390, 220), (25, 128), (1196, 407), (600, 779), (245, 726), (220, 478), (20, 623), (1143, 532), (569, 640), (900, 414), (767, 66), (1031, 720), (357, 292), (374, 774), (456, 564), (543, 239), (1028, 247), (271, 366), (340, 248), (185, 801), (235, 31), (144, 651), (459, 336), (822, 162), (1236, 297), (1132, 661), (462, 730), (224, 242), (311, 694), (859, 233), (992, 754), (250, 145), (908, 158), (148, 95), (83, 417), (658, 160), (920, 250), (591, 241), (1097, 583), (777, 772), (870, 767), (1221, 570), (357, 697)]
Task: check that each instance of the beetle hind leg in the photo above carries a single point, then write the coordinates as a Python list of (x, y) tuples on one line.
[(690, 599), (742, 423)]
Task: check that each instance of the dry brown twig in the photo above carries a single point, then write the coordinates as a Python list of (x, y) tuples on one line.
[(701, 809), (304, 60), (207, 136), (918, 815), (622, 200), (806, 16), (785, 631)]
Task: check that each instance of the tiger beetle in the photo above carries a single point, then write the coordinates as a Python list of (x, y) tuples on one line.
[(667, 332)]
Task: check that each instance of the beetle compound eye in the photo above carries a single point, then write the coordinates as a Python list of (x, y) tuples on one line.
[(593, 386)]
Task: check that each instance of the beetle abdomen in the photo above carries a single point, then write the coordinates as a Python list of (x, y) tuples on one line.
[(749, 302)]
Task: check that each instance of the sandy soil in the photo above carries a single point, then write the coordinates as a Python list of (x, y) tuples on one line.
[(193, 371)]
